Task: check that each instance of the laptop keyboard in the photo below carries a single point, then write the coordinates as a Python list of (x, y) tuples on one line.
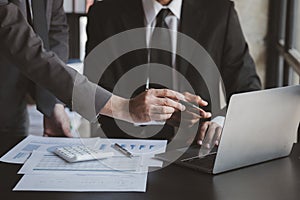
[(202, 164)]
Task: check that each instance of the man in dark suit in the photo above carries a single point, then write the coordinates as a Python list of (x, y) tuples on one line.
[(51, 25), (213, 24)]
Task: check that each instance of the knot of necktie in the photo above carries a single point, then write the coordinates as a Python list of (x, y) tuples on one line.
[(160, 19)]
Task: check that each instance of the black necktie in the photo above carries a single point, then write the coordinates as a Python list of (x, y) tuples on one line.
[(162, 38), (160, 18)]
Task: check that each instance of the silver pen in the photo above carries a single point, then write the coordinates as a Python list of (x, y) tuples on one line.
[(190, 105), (123, 150)]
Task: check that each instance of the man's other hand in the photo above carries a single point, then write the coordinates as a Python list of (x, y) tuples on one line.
[(209, 134), (58, 124)]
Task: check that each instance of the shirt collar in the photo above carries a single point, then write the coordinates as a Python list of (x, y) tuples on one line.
[(152, 8)]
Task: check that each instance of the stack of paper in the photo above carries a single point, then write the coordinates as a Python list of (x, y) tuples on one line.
[(44, 171)]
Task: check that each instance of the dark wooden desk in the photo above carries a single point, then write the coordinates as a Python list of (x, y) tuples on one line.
[(276, 180)]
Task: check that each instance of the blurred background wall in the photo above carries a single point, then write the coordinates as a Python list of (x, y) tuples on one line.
[(254, 20)]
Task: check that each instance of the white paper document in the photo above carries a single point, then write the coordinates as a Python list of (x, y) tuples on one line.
[(136, 147), (44, 171), (144, 148), (143, 151), (21, 152), (47, 172), (84, 183), (41, 163)]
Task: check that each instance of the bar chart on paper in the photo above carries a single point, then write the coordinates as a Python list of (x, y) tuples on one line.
[(137, 147)]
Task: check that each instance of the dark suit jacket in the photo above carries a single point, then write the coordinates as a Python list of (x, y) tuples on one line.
[(213, 24), (14, 85), (21, 46)]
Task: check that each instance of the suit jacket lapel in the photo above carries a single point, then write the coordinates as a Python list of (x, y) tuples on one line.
[(132, 17), (193, 23), (190, 25)]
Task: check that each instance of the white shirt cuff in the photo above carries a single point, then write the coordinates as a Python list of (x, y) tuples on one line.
[(219, 120)]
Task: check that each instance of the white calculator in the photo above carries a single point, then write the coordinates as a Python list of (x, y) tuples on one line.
[(80, 153)]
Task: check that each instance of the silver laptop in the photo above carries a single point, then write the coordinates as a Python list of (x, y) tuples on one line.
[(259, 126)]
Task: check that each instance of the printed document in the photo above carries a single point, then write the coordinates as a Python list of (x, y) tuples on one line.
[(44, 171), (84, 183), (21, 152)]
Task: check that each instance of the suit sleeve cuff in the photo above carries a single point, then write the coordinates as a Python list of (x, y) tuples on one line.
[(45, 101), (102, 97)]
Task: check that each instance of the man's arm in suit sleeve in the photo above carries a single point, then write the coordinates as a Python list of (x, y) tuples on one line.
[(23, 47), (238, 68), (59, 44)]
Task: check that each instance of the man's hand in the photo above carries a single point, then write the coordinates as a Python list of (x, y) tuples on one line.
[(190, 116), (155, 105), (209, 134), (58, 124)]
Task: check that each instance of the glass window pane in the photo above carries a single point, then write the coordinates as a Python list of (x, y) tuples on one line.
[(280, 71), (295, 78), (297, 25), (283, 6)]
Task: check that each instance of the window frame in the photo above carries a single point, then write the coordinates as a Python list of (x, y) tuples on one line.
[(282, 58)]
